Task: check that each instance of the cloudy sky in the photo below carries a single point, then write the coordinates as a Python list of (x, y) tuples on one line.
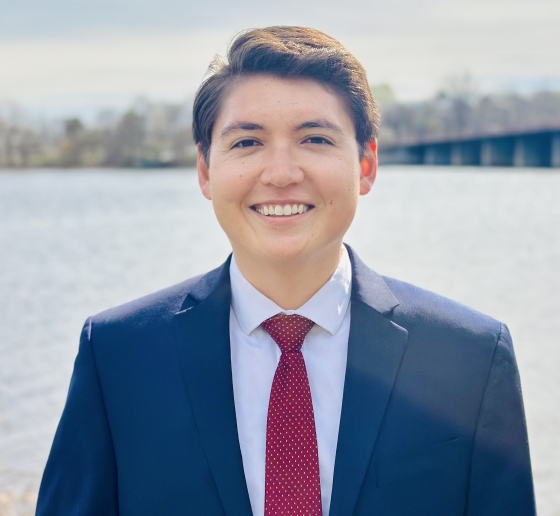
[(71, 56)]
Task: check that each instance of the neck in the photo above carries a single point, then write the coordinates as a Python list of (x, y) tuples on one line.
[(290, 283)]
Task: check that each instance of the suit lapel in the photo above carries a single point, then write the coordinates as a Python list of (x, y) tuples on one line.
[(202, 330), (375, 350)]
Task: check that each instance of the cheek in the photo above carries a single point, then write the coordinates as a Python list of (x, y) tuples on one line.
[(230, 189), (343, 187)]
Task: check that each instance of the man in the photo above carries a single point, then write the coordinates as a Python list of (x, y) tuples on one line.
[(291, 380)]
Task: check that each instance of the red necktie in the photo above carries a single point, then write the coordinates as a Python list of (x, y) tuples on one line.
[(292, 484)]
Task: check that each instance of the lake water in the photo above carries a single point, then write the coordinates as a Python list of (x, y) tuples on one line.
[(75, 242)]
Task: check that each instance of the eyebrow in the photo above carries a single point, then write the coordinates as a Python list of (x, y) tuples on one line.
[(243, 126), (321, 124)]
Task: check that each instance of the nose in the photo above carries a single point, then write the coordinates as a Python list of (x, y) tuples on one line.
[(281, 169)]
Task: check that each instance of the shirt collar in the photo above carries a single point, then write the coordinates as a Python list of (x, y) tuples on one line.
[(326, 308)]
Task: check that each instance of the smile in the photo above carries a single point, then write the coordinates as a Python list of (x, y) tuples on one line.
[(281, 210)]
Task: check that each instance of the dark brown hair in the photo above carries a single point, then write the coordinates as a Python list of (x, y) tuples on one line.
[(292, 52)]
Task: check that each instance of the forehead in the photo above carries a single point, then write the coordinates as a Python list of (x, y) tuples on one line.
[(281, 100)]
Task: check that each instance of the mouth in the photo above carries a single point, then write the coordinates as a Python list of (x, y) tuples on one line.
[(281, 210)]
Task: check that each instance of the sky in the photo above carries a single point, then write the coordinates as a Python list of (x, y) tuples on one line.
[(67, 57)]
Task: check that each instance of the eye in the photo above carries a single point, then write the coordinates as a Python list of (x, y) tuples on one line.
[(317, 140), (245, 143)]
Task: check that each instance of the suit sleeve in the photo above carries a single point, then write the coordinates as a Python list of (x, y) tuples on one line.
[(500, 478), (80, 477)]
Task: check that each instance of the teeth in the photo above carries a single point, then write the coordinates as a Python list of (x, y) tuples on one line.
[(280, 211)]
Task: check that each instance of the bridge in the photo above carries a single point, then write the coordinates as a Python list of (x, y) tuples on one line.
[(538, 148)]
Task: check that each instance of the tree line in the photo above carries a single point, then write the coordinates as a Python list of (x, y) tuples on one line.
[(152, 134), (458, 111), (146, 135)]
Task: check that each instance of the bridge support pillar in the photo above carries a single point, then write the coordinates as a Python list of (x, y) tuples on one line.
[(519, 153), (465, 153), (429, 156), (532, 150), (486, 153), (456, 155), (497, 152), (555, 150), (437, 154)]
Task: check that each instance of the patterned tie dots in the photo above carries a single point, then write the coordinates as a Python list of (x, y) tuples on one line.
[(292, 484)]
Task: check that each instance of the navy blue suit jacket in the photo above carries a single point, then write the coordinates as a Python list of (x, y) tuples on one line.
[(432, 417)]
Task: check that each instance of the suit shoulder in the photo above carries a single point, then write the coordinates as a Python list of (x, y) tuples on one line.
[(419, 307), (161, 305)]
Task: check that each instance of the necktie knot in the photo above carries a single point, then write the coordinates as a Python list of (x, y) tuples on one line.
[(288, 331)]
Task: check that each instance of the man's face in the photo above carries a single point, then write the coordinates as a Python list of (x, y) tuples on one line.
[(284, 171)]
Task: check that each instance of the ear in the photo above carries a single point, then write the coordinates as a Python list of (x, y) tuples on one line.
[(203, 174), (368, 167)]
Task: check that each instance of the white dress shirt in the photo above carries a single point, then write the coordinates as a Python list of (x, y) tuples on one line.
[(254, 357)]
